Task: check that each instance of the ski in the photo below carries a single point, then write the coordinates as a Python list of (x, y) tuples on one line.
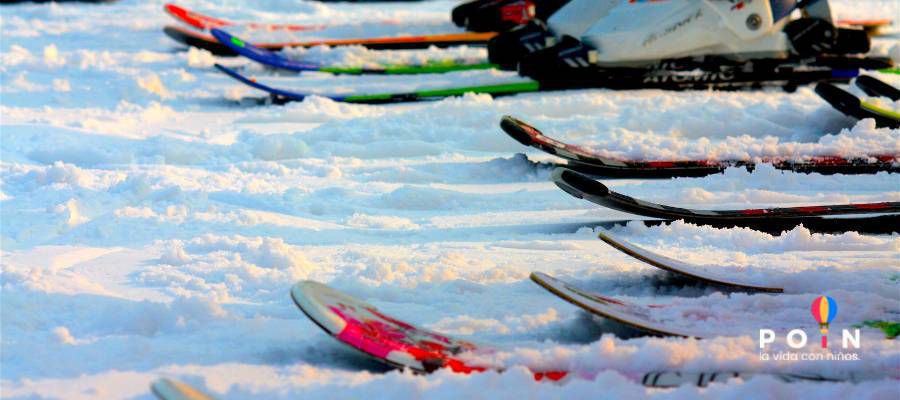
[(272, 59), (879, 217), (591, 162), (620, 79), (851, 105), (633, 315), (171, 389), (876, 88), (204, 22), (386, 339), (207, 42), (695, 272), (282, 96)]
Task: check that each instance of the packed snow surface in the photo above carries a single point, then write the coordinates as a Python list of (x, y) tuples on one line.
[(154, 219)]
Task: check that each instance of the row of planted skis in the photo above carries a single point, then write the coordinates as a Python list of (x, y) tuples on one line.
[(690, 44)]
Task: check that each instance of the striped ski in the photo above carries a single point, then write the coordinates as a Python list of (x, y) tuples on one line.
[(281, 95), (207, 42), (275, 60)]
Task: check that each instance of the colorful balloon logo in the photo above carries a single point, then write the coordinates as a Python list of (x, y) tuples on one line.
[(824, 309)]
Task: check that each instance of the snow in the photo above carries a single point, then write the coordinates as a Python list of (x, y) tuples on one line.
[(152, 225)]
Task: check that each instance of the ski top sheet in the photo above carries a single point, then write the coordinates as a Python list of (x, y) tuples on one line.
[(691, 271), (851, 105), (170, 389), (281, 95), (590, 161), (272, 59), (876, 88), (389, 340), (207, 42), (583, 187), (366, 329), (634, 315), (204, 22)]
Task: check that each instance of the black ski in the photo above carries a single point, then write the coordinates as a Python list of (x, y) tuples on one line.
[(871, 217)]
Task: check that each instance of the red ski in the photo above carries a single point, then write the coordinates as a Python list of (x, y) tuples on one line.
[(206, 22)]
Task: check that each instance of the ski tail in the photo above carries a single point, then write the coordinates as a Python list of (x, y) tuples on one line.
[(874, 87)]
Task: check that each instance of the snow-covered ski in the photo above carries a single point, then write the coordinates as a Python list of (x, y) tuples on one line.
[(853, 106), (171, 389), (389, 340), (653, 319), (403, 345), (204, 22), (207, 42), (589, 161), (691, 271), (634, 315), (883, 216), (275, 60)]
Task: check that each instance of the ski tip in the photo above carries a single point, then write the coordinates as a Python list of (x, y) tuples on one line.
[(312, 298), (518, 130), (223, 68), (232, 41), (539, 277), (606, 238), (172, 9), (577, 184), (220, 35), (174, 33), (170, 389)]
